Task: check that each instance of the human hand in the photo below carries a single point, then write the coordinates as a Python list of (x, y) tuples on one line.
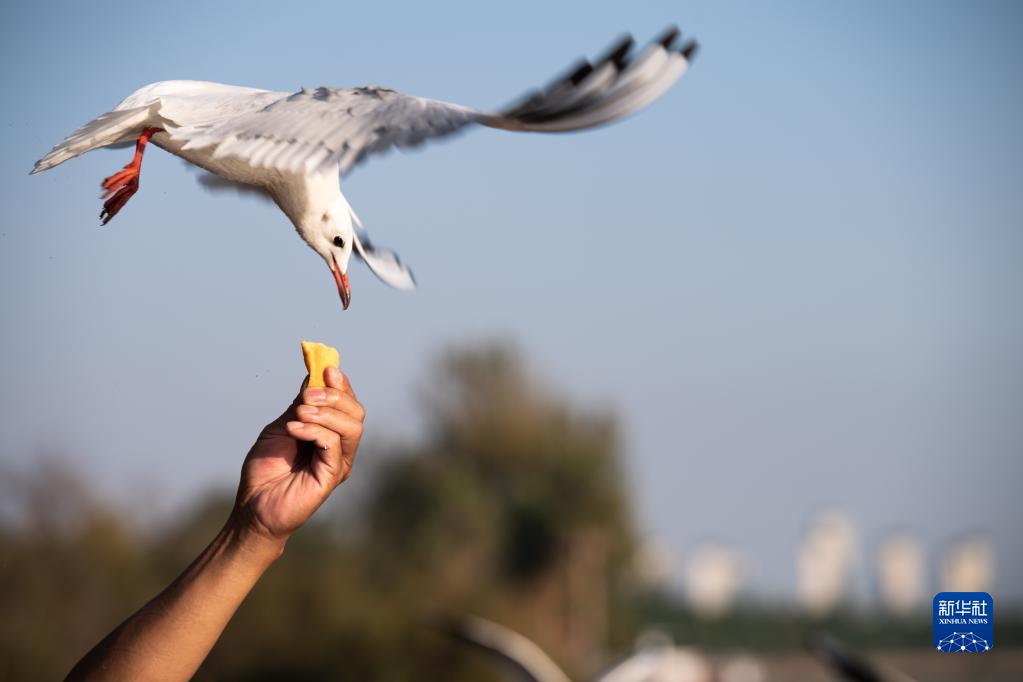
[(299, 459)]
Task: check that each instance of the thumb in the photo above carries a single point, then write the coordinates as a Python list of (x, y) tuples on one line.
[(289, 412)]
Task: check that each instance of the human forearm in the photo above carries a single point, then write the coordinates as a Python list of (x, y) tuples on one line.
[(169, 637)]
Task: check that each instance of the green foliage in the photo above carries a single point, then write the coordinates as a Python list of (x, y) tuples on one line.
[(68, 568)]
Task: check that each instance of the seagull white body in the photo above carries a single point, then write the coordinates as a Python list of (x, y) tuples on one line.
[(293, 144), (302, 193)]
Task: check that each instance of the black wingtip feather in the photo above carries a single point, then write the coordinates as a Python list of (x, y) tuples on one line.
[(668, 38), (618, 52), (690, 49), (584, 70)]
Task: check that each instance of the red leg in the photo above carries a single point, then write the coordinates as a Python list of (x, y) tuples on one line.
[(124, 183)]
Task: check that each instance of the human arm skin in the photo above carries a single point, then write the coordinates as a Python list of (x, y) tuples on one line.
[(282, 484)]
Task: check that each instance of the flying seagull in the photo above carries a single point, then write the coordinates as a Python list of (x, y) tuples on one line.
[(292, 144)]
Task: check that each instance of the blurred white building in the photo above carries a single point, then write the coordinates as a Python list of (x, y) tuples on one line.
[(901, 574), (824, 562), (713, 578), (968, 565)]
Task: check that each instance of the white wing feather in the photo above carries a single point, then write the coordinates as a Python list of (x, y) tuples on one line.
[(159, 105), (385, 264), (111, 128)]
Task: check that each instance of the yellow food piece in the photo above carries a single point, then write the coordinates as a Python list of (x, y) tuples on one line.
[(318, 357)]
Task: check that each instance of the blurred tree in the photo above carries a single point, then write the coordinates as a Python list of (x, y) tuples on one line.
[(70, 569), (515, 507)]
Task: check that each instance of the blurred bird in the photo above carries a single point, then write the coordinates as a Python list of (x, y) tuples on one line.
[(292, 144), (523, 661), (850, 664)]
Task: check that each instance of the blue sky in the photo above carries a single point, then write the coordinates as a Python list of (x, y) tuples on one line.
[(796, 276)]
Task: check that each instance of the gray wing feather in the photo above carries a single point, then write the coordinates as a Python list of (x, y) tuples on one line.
[(313, 129)]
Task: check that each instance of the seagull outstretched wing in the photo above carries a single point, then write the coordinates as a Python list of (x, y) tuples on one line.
[(314, 129)]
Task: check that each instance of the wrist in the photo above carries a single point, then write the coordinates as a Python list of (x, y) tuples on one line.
[(244, 538)]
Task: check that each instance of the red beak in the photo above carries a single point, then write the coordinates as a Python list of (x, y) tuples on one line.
[(343, 289)]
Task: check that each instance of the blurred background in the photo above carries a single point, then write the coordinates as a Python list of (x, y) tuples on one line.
[(739, 371)]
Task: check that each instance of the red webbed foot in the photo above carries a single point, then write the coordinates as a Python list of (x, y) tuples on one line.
[(124, 183), (123, 186)]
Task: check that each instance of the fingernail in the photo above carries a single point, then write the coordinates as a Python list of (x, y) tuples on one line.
[(316, 394), (296, 425), (335, 374), (307, 410)]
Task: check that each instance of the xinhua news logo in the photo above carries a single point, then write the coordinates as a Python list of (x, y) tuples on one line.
[(964, 622)]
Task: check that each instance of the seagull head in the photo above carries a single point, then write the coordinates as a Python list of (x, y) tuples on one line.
[(334, 236), (333, 240)]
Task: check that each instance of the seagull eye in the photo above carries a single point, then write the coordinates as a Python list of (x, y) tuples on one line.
[(339, 242)]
